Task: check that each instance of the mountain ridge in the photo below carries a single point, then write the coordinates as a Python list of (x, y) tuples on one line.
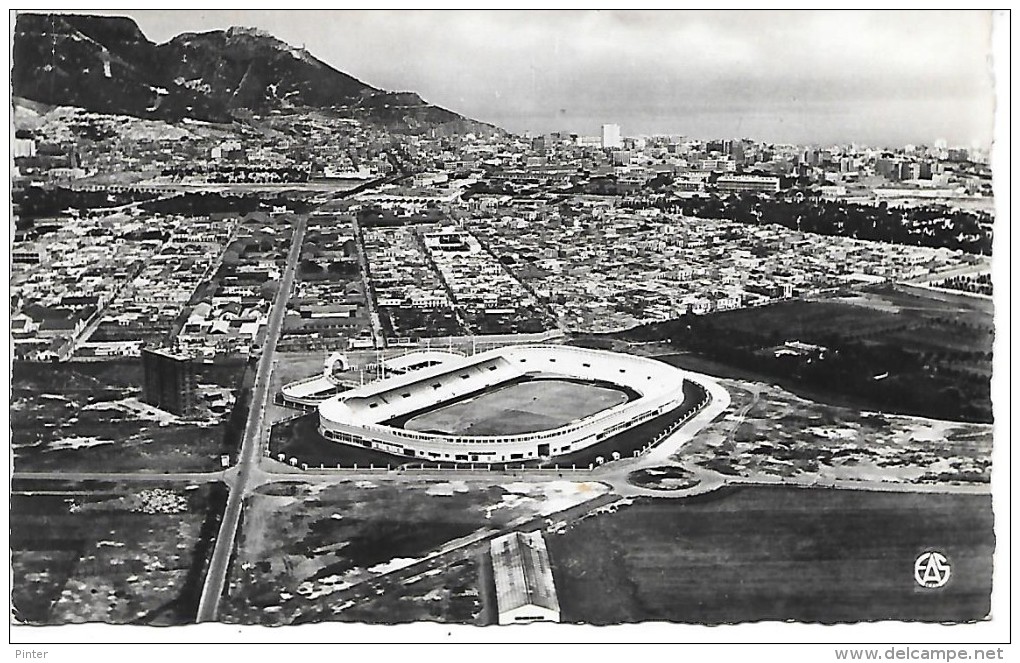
[(106, 64)]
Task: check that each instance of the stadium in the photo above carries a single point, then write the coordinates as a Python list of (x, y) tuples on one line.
[(509, 404)]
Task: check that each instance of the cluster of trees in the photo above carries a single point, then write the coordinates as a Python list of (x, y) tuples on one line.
[(313, 268), (242, 174), (201, 204), (525, 320), (420, 323), (32, 202), (933, 226), (981, 284)]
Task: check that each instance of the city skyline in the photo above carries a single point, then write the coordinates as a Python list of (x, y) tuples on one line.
[(885, 78)]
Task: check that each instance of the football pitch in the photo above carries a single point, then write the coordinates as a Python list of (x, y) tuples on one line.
[(524, 407)]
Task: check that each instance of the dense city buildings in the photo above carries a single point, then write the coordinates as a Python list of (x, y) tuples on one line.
[(474, 235), (750, 183)]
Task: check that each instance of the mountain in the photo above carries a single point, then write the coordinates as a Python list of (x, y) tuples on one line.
[(106, 64)]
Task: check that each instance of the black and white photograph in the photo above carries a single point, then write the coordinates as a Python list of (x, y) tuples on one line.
[(505, 325)]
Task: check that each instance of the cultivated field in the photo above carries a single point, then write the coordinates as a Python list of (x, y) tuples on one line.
[(754, 554), (451, 595), (524, 407)]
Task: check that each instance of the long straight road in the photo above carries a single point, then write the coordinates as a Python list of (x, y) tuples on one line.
[(249, 454), (378, 334), (196, 477)]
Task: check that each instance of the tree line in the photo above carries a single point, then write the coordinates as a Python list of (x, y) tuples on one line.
[(934, 226)]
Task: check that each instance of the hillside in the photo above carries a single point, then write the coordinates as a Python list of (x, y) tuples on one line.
[(107, 65)]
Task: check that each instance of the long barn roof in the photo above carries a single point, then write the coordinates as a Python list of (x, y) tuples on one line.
[(523, 575)]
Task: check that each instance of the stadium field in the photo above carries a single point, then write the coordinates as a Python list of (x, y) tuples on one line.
[(523, 407)]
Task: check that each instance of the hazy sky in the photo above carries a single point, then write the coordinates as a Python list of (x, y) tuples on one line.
[(805, 77)]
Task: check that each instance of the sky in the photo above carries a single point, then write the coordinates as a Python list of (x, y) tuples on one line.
[(807, 77)]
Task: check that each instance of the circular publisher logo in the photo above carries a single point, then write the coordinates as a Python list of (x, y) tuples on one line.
[(931, 569)]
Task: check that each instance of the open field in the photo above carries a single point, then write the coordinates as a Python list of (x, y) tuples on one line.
[(292, 366), (451, 595), (88, 417), (301, 546), (523, 407), (770, 432), (889, 347), (754, 554), (110, 552)]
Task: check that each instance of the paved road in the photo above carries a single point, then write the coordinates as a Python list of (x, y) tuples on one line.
[(250, 445), (378, 335), (194, 477)]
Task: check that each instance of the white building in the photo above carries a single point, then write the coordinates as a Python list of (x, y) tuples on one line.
[(24, 147), (753, 183), (611, 136)]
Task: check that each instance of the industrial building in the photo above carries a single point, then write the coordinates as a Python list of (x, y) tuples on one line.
[(525, 591)]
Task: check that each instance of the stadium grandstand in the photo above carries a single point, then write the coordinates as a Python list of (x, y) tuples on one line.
[(503, 405)]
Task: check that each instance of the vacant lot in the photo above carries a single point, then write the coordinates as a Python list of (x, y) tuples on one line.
[(754, 554), (292, 366), (88, 417), (892, 348), (104, 552), (302, 546), (450, 595), (770, 432)]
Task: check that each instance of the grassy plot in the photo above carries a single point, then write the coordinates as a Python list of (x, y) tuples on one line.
[(521, 407), (894, 348), (754, 554), (299, 438), (104, 552)]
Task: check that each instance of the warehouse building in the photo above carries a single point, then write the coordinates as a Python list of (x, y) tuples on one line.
[(525, 591)]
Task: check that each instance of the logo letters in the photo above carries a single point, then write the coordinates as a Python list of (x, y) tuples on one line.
[(931, 570)]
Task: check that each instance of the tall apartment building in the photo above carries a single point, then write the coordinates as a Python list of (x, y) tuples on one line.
[(611, 136), (169, 381)]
